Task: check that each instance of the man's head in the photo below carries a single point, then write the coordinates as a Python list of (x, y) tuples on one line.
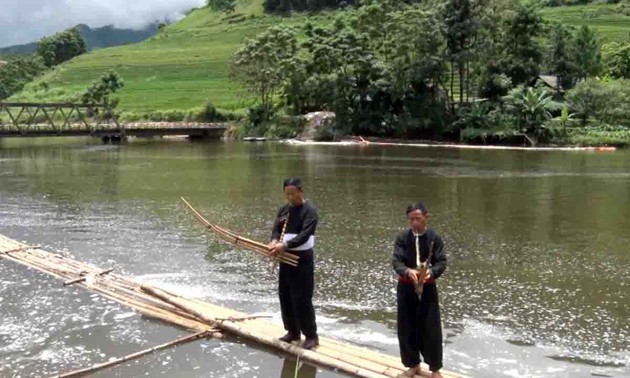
[(293, 191), (417, 215)]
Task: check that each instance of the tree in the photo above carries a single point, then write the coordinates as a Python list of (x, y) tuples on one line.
[(263, 64), (561, 62), (587, 53), (522, 52), (227, 6), (100, 91), (461, 29), (606, 101), (616, 59), (342, 67), (532, 110), (509, 52), (17, 72), (61, 47)]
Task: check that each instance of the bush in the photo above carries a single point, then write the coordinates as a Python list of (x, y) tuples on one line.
[(598, 136), (616, 60), (606, 102), (211, 114), (257, 122), (17, 72), (285, 127)]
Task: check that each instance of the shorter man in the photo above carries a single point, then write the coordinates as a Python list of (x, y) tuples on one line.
[(419, 325)]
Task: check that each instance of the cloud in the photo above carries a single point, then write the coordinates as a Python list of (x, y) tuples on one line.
[(23, 21)]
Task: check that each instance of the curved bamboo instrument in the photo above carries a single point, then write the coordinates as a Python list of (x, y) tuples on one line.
[(230, 237)]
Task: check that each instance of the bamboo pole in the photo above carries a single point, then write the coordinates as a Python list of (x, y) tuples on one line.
[(97, 367), (81, 279), (287, 258), (138, 300)]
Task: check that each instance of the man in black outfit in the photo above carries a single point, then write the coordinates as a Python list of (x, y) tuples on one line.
[(419, 325), (294, 232)]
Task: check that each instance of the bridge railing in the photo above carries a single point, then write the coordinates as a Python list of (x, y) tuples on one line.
[(25, 117)]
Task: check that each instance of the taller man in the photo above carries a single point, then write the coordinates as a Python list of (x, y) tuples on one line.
[(294, 232)]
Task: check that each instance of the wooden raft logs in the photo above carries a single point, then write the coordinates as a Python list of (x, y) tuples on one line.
[(197, 315)]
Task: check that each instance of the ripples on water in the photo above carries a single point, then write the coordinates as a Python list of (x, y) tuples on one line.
[(535, 286)]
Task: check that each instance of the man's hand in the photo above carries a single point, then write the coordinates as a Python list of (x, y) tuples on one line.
[(413, 275), (276, 249), (429, 275)]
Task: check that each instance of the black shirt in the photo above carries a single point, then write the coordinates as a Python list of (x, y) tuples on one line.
[(302, 223), (405, 252)]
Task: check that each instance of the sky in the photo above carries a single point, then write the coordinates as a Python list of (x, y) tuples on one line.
[(24, 21)]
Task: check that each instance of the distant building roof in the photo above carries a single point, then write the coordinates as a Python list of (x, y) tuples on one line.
[(551, 81)]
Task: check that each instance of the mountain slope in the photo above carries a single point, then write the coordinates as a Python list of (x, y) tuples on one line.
[(106, 36), (185, 65)]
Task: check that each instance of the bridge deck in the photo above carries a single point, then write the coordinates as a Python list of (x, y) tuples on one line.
[(137, 129)]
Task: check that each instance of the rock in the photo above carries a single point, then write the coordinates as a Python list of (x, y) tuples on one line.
[(315, 121)]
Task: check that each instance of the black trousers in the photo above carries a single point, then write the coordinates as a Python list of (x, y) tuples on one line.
[(419, 326), (296, 286)]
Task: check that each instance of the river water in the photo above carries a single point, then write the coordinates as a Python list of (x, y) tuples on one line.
[(538, 281)]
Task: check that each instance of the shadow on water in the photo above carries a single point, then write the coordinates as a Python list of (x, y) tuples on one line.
[(292, 368)]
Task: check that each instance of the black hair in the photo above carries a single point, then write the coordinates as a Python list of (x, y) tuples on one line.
[(293, 181), (417, 206)]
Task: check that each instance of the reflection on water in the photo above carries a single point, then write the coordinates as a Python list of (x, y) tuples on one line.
[(538, 274), (292, 368)]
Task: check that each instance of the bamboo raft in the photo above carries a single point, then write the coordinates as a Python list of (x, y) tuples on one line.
[(206, 319)]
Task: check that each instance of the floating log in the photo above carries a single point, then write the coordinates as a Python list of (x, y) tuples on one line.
[(363, 143), (197, 315), (96, 367)]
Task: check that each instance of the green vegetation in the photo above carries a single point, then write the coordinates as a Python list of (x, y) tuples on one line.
[(179, 69), (16, 72), (610, 21), (405, 82), (61, 47)]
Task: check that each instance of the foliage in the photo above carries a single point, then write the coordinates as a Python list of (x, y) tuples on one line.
[(532, 109), (227, 6), (17, 72), (605, 102), (61, 47), (616, 59), (262, 63), (284, 6), (587, 53), (100, 91)]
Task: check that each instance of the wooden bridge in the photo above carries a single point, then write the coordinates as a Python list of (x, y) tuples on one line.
[(23, 119)]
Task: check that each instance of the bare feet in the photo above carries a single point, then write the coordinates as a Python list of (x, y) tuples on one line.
[(412, 371), (436, 374)]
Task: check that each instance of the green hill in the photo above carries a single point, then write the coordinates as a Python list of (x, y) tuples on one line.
[(185, 65)]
